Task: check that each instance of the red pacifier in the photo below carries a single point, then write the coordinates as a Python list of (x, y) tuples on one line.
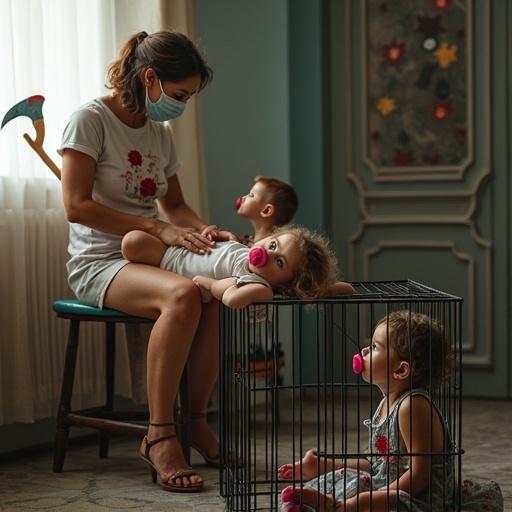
[(258, 256), (238, 203), (358, 364)]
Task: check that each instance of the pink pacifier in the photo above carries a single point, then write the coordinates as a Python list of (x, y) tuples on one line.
[(358, 364), (258, 256), (238, 203)]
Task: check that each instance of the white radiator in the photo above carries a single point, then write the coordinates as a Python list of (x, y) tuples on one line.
[(33, 254)]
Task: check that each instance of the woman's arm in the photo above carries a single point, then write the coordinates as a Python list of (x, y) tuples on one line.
[(78, 170), (177, 210), (232, 296)]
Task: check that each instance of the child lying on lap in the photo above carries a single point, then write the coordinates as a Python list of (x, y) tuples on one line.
[(290, 261)]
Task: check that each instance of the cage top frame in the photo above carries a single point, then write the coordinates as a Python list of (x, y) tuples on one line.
[(405, 290)]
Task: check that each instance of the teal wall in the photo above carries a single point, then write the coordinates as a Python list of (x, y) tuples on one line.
[(307, 110), (263, 113), (246, 108)]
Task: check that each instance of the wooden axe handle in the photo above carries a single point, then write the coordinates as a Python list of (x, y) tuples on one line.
[(38, 148)]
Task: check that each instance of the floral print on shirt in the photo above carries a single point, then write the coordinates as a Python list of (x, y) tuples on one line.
[(141, 179)]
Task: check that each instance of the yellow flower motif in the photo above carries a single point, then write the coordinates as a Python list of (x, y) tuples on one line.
[(446, 55), (386, 105)]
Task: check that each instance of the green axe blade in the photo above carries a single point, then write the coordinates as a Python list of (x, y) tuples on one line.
[(31, 107)]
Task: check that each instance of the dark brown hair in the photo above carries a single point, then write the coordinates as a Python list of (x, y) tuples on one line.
[(421, 341), (282, 196), (172, 55), (318, 263)]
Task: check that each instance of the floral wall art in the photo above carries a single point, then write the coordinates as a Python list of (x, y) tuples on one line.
[(416, 80)]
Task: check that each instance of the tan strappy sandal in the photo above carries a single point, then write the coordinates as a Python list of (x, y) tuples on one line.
[(213, 462), (170, 485)]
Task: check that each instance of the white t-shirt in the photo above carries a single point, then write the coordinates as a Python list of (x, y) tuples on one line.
[(132, 167), (227, 259)]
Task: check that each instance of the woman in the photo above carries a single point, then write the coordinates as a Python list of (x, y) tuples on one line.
[(118, 165)]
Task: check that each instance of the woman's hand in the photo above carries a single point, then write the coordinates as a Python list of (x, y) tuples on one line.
[(170, 234), (212, 232)]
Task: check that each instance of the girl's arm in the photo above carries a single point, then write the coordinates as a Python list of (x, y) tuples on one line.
[(422, 432), (232, 296), (78, 170), (340, 288)]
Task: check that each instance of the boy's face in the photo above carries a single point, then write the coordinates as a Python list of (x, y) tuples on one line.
[(381, 357), (254, 202), (283, 259)]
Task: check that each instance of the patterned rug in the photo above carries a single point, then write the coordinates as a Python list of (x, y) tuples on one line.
[(123, 482)]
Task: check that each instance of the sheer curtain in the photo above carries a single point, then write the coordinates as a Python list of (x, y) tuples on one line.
[(60, 49)]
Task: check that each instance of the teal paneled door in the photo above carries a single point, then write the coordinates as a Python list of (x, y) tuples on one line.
[(419, 166)]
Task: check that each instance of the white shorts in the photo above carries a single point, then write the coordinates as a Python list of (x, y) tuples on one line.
[(90, 281)]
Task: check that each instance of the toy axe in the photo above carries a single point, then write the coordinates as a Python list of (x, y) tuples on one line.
[(33, 107)]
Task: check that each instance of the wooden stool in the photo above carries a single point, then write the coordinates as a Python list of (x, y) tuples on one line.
[(103, 418)]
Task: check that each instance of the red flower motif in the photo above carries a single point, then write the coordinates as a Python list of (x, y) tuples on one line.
[(441, 110), (147, 187), (381, 444), (441, 5), (134, 157), (394, 52), (365, 479)]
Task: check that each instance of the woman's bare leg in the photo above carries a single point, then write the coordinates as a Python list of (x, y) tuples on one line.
[(203, 370), (174, 303)]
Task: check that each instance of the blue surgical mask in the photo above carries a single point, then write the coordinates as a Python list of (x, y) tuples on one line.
[(165, 108)]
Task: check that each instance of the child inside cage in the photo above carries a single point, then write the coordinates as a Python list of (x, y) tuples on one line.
[(271, 203), (292, 260), (411, 455)]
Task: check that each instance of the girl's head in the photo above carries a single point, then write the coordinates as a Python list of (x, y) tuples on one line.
[(269, 198), (299, 262), (149, 64), (407, 350)]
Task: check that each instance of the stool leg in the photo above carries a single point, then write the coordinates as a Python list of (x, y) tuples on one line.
[(185, 415), (62, 431), (110, 361)]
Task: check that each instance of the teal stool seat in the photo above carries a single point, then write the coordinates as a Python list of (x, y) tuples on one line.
[(103, 418), (74, 306)]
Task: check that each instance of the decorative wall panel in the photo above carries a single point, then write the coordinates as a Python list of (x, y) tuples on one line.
[(418, 93)]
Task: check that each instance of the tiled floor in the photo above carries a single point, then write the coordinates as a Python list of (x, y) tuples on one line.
[(122, 482)]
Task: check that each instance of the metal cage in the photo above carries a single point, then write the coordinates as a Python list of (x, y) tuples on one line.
[(267, 420)]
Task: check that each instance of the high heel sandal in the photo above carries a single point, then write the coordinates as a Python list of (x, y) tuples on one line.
[(213, 462), (170, 485)]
